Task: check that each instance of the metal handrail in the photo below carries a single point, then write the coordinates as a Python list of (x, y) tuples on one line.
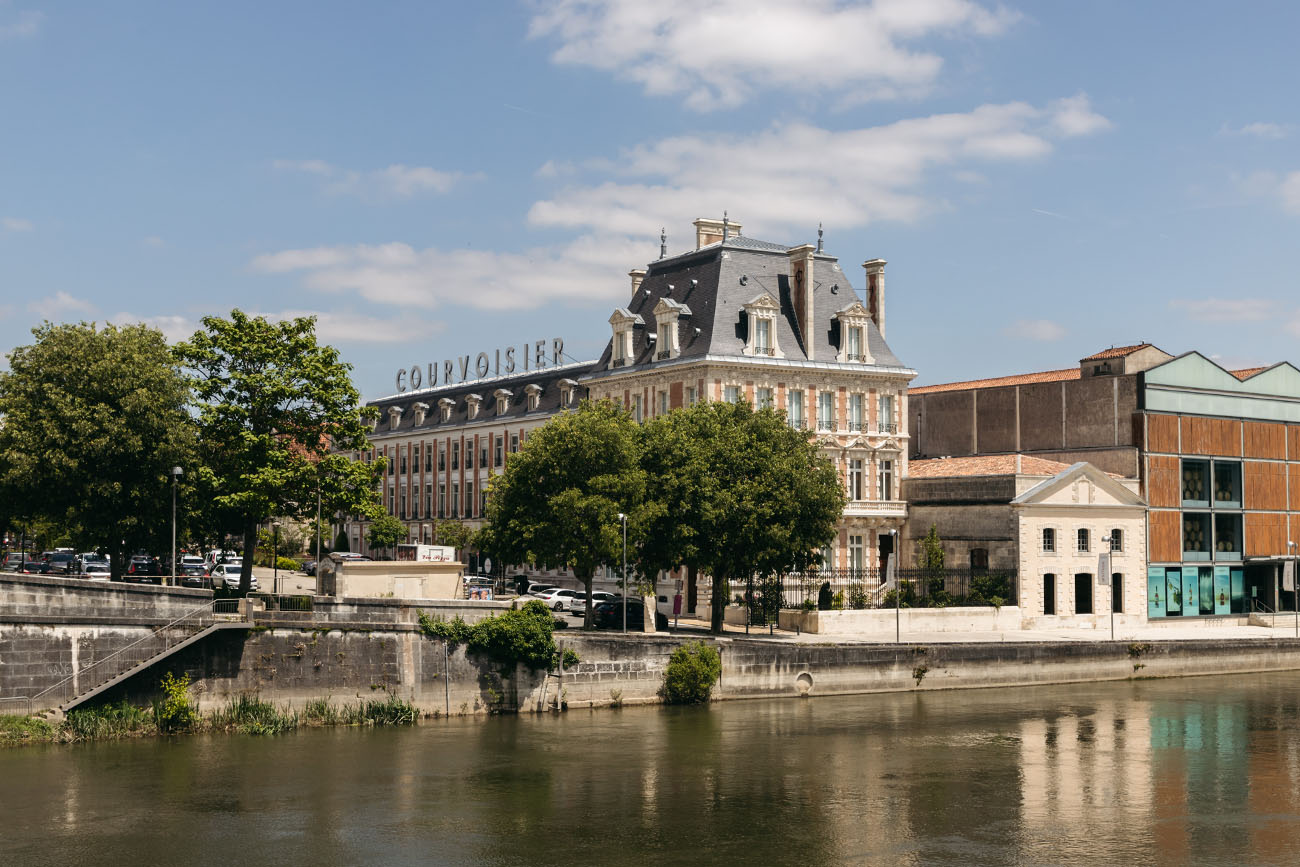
[(135, 653)]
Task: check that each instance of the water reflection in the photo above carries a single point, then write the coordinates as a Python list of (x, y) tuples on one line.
[(1200, 771)]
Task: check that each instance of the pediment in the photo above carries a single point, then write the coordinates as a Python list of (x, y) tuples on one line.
[(762, 301), (623, 316), (1080, 484)]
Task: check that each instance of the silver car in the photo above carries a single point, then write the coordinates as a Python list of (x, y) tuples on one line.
[(578, 607), (228, 574)]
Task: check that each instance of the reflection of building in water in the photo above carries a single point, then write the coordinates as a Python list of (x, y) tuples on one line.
[(1084, 773)]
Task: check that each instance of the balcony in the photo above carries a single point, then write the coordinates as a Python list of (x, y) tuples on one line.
[(856, 426), (875, 508), (887, 428)]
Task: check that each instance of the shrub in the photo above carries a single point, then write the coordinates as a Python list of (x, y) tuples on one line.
[(508, 639), (107, 721), (16, 729), (857, 597), (989, 589), (249, 715), (174, 713), (390, 712), (837, 601), (692, 670)]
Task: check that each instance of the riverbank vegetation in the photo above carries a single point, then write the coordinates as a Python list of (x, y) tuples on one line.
[(176, 714), (508, 639)]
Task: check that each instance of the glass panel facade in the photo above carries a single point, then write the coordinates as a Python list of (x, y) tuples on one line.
[(1191, 591), (1227, 484), (1222, 590), (1205, 575), (1156, 593), (1196, 483), (1196, 535), (1227, 537)]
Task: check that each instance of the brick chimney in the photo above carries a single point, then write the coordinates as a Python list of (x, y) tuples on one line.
[(801, 292), (876, 292)]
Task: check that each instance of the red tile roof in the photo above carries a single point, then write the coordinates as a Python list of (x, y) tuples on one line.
[(1116, 352), (982, 465), (1018, 379), (1248, 372)]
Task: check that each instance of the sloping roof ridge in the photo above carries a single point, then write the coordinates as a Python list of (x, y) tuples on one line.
[(1118, 351), (1060, 375), (535, 373)]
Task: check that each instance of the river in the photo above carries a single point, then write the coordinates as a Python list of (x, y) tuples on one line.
[(1190, 771)]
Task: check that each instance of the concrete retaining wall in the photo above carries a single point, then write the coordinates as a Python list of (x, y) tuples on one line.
[(38, 599), (884, 621)]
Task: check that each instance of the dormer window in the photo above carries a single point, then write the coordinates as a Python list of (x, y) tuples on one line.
[(533, 395), (421, 410), (472, 403), (394, 417), (668, 314), (568, 392), (853, 321), (761, 339), (445, 406), (622, 323), (503, 400)]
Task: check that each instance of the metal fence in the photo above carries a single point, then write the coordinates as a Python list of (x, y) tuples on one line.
[(868, 588)]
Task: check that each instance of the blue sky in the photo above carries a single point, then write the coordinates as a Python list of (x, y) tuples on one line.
[(434, 179)]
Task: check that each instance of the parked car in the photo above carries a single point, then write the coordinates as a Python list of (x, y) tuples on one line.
[(61, 562), (558, 599), (143, 569), (192, 571), (227, 575), (538, 587), (309, 567), (96, 570), (578, 607), (609, 615), (14, 562)]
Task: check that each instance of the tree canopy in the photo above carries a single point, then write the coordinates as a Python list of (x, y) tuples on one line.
[(93, 421), (558, 501), (271, 404)]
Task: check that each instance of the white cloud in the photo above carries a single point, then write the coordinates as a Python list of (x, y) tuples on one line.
[(1228, 309), (20, 24), (794, 175), (396, 181), (1260, 130), (348, 327), (154, 241), (1044, 330), (174, 328), (58, 305), (718, 54), (15, 224), (1073, 116), (1289, 190)]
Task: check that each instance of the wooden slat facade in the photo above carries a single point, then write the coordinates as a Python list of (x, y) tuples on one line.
[(1165, 537), (1211, 436), (1266, 534), (1265, 440), (1293, 471), (1293, 441), (1162, 433), (1265, 485), (1163, 482)]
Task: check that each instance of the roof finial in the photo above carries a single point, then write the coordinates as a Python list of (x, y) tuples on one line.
[(726, 227), (663, 242), (819, 237)]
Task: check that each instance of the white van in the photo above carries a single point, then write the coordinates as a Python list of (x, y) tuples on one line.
[(214, 558)]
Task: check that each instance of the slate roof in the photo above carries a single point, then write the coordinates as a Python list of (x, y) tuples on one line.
[(708, 281), (548, 403)]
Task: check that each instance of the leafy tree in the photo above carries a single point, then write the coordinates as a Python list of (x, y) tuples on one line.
[(454, 534), (385, 533), (94, 420), (929, 556), (736, 493), (272, 402), (557, 504)]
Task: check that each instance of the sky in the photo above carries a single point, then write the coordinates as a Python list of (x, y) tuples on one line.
[(436, 179)]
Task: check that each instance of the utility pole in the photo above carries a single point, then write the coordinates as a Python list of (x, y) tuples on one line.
[(176, 481), (623, 518)]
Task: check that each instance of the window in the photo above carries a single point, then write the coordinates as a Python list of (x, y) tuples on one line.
[(469, 455), (731, 393), (886, 480), (1049, 540), (763, 337), (1082, 593), (885, 414), (469, 499), (663, 403), (1227, 536), (979, 558), (1196, 483), (853, 346), (442, 499), (1196, 535), (690, 395), (403, 513), (794, 407), (856, 480), (825, 410), (428, 501), (1117, 593), (403, 461), (1049, 593), (483, 452), (855, 412), (827, 556), (482, 500), (1084, 542), (514, 443), (428, 457), (1227, 484), (1116, 541), (533, 396), (442, 457), (637, 413), (392, 499), (455, 499), (455, 455), (857, 554), (392, 464), (499, 446), (764, 398)]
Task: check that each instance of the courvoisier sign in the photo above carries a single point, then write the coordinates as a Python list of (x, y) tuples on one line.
[(502, 362)]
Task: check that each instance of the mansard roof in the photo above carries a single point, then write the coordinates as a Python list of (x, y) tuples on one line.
[(718, 280)]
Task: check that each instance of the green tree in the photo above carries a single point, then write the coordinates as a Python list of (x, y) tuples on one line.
[(736, 493), (385, 533), (272, 404), (94, 420), (558, 501), (454, 534), (929, 556)]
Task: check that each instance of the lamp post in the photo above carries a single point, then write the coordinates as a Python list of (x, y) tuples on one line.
[(1295, 594), (623, 518), (1110, 579), (275, 555), (176, 482), (898, 588)]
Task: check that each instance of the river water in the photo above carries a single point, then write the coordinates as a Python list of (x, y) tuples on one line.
[(1192, 771)]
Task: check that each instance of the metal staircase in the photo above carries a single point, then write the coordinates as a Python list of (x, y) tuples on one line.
[(103, 674)]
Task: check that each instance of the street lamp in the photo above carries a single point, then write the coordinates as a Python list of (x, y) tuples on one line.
[(275, 554), (623, 518), (890, 565), (1295, 593), (176, 482), (1109, 575)]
